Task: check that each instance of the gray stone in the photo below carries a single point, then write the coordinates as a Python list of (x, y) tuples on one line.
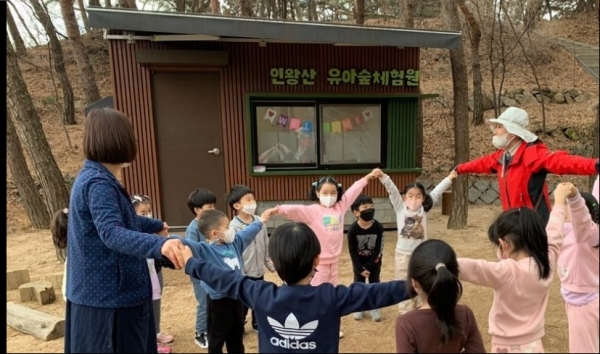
[(482, 186), (509, 102), (489, 196), (559, 98), (494, 185), (473, 194), (579, 98), (537, 128), (574, 92), (497, 202), (569, 99), (525, 98), (479, 202)]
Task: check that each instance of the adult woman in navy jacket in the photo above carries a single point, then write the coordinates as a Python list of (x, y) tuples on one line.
[(522, 162), (109, 296)]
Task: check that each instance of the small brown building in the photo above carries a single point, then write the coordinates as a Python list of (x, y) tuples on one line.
[(218, 101)]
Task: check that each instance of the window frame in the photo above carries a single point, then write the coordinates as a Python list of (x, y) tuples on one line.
[(316, 102)]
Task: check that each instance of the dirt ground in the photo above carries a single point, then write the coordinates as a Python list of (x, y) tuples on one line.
[(34, 251)]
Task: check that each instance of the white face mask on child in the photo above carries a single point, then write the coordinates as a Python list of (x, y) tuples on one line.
[(413, 205), (249, 208), (228, 236), (327, 200)]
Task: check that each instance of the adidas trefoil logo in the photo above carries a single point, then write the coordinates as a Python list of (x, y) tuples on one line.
[(293, 333)]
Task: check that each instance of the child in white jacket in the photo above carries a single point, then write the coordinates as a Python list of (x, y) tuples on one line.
[(411, 207)]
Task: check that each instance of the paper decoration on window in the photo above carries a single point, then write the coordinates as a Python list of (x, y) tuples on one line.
[(307, 126), (283, 120), (294, 124), (358, 120), (326, 127), (271, 115), (347, 124), (336, 126), (367, 114)]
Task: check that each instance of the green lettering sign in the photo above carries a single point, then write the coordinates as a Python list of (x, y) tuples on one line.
[(396, 78)]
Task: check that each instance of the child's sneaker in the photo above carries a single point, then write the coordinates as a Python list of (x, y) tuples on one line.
[(163, 349), (201, 340), (164, 338), (358, 316), (376, 315)]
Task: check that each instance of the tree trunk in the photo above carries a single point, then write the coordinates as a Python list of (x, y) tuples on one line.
[(30, 197), (179, 5), (283, 13), (215, 6), (20, 48), (359, 11), (246, 8), (532, 13), (107, 3), (475, 38), (94, 3), (311, 11), (68, 113), (407, 16), (88, 77), (84, 18), (24, 25), (30, 131), (131, 4), (458, 216)]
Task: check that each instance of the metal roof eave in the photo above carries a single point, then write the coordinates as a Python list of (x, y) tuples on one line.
[(256, 28)]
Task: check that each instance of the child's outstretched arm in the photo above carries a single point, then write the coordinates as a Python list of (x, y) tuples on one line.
[(353, 192), (481, 272), (294, 212), (584, 228), (443, 186), (394, 193), (244, 237), (364, 297), (149, 225), (227, 282), (554, 229)]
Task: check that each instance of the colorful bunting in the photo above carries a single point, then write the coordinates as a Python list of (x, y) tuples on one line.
[(270, 115)]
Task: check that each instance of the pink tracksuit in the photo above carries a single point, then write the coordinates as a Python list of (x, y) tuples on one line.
[(328, 224), (578, 272), (516, 318)]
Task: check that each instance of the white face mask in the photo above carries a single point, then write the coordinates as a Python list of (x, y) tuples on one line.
[(500, 141), (249, 208), (228, 236), (328, 200)]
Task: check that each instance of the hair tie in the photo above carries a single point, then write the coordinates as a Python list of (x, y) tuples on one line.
[(339, 185), (314, 184), (439, 265), (137, 198), (65, 210)]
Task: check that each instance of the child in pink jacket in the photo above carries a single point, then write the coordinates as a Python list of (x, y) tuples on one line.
[(578, 271), (520, 279), (326, 219)]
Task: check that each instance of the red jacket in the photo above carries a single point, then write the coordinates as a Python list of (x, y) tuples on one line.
[(524, 179)]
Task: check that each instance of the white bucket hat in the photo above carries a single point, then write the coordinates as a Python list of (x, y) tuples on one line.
[(515, 121)]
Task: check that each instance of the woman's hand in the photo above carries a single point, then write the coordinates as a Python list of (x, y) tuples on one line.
[(172, 249), (186, 254)]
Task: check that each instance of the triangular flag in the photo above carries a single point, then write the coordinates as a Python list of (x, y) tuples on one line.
[(336, 126), (270, 115), (367, 114), (347, 124), (326, 127)]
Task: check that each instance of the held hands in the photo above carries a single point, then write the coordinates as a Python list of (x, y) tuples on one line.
[(266, 215), (165, 230), (172, 249), (186, 254), (563, 191), (365, 273), (376, 173), (453, 175)]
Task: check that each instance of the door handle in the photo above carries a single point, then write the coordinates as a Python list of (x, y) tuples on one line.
[(214, 151)]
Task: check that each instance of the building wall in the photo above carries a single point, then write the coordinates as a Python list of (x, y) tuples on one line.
[(247, 73)]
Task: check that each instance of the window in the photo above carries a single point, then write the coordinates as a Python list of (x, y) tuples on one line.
[(318, 134)]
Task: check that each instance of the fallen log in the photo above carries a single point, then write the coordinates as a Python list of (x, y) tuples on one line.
[(36, 323)]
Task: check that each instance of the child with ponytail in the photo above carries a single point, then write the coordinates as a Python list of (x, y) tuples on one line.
[(58, 228), (440, 325), (578, 265)]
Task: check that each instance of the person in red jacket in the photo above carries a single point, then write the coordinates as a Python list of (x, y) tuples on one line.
[(522, 162)]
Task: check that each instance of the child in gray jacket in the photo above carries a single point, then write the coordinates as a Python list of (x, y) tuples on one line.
[(256, 256)]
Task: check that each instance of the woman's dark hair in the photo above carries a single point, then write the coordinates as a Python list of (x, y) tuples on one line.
[(58, 228), (316, 187), (592, 204), (441, 285), (524, 229), (138, 199), (427, 201), (236, 194), (209, 221), (293, 248), (200, 197), (108, 137)]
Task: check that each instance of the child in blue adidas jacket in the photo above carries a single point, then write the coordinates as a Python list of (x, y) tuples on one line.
[(296, 317)]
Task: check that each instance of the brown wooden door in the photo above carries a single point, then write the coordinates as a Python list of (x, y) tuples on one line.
[(188, 126)]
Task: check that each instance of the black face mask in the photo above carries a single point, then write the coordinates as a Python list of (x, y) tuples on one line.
[(367, 214)]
